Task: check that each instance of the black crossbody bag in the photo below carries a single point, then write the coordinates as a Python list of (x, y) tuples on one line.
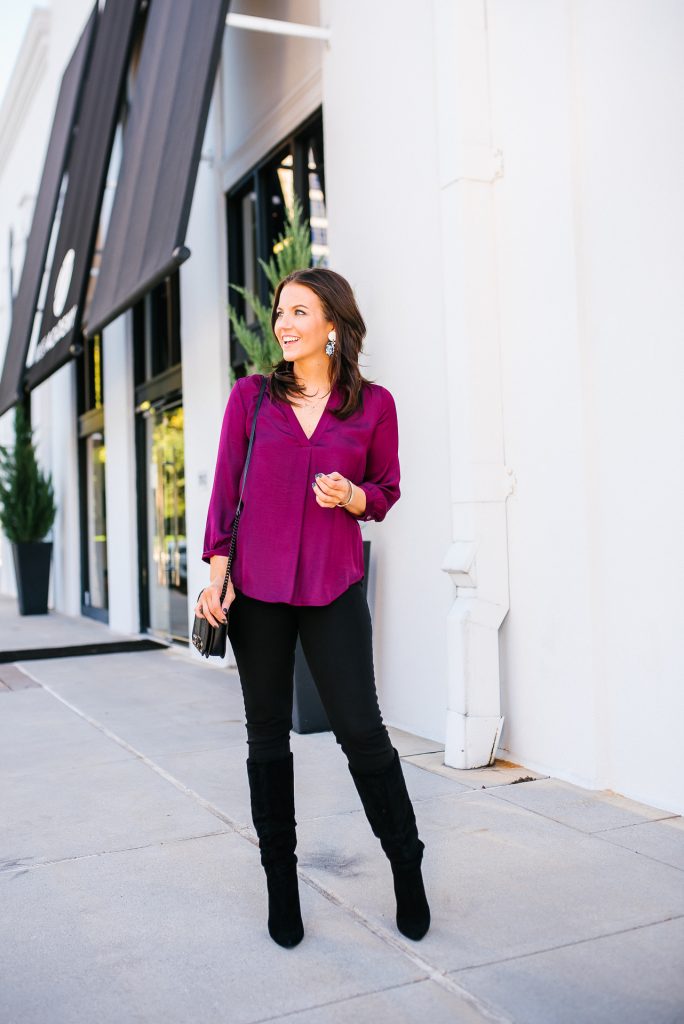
[(210, 640)]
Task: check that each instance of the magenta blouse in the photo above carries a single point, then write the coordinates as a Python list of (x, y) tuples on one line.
[(289, 548)]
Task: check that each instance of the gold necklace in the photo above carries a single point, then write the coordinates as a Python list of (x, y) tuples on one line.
[(316, 399)]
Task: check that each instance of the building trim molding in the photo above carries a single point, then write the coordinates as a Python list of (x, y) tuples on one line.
[(267, 133), (28, 72)]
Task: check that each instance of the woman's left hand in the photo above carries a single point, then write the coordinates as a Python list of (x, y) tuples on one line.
[(331, 489)]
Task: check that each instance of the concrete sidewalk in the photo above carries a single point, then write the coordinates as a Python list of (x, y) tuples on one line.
[(27, 636), (131, 886)]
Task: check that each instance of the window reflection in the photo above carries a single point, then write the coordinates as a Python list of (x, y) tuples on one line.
[(257, 210), (249, 234), (286, 178), (167, 550), (318, 217), (96, 595)]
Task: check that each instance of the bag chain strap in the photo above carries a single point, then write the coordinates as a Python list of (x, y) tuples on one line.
[(236, 520)]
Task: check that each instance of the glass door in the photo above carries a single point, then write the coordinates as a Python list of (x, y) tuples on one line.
[(92, 456), (95, 594), (167, 582)]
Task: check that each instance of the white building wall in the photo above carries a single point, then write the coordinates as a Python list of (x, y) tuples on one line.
[(546, 653), (53, 416), (204, 341), (121, 493), (268, 83), (480, 481), (380, 136), (587, 103), (629, 83)]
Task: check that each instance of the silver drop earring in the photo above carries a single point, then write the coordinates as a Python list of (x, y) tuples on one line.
[(330, 347)]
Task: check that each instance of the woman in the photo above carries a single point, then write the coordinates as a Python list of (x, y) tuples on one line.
[(325, 455)]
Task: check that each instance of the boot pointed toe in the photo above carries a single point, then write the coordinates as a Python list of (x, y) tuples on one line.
[(285, 924), (413, 911)]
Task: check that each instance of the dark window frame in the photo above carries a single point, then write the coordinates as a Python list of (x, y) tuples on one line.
[(156, 337), (158, 381), (297, 143), (90, 420)]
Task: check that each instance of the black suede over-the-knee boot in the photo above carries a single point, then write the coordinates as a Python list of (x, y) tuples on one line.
[(271, 786), (390, 813)]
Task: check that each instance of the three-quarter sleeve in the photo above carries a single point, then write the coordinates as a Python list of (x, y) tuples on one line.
[(381, 477), (230, 462)]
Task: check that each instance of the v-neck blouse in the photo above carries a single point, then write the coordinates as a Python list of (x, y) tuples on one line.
[(288, 547)]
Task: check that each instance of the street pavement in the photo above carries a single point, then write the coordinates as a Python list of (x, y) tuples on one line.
[(131, 887)]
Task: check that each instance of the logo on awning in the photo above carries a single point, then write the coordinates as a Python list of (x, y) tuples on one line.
[(63, 326), (65, 323)]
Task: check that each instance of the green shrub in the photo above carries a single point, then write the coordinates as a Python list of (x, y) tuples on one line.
[(292, 251), (27, 503)]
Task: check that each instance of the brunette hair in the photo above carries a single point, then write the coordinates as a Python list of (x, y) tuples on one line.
[(339, 305)]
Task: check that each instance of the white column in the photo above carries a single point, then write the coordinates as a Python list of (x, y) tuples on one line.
[(120, 476), (204, 340), (53, 417), (66, 555), (476, 560)]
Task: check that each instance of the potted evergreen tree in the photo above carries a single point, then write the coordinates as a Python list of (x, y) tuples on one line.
[(27, 512)]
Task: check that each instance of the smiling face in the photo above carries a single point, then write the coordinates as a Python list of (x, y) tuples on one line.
[(301, 326)]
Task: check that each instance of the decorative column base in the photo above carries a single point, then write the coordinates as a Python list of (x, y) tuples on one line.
[(473, 715), (471, 742)]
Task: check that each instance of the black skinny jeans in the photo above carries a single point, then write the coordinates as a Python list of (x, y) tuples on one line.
[(337, 641)]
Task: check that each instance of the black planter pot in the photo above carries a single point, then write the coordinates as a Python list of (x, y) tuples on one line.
[(32, 570), (308, 713)]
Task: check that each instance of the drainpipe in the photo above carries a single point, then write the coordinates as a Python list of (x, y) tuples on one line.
[(477, 558)]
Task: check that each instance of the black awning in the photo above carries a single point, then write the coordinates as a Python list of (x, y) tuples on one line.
[(162, 147), (24, 305), (87, 168)]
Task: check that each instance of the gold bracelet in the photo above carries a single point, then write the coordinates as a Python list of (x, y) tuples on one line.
[(341, 504)]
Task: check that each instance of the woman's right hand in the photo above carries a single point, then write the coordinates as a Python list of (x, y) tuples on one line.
[(209, 605)]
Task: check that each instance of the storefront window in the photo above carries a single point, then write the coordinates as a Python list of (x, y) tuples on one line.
[(92, 462), (277, 195), (257, 215), (167, 554), (318, 215), (157, 331), (249, 237), (96, 593), (161, 462)]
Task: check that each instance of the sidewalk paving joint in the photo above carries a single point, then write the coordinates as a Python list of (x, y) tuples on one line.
[(514, 886)]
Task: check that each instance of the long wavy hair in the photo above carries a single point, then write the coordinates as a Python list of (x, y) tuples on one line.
[(339, 306)]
